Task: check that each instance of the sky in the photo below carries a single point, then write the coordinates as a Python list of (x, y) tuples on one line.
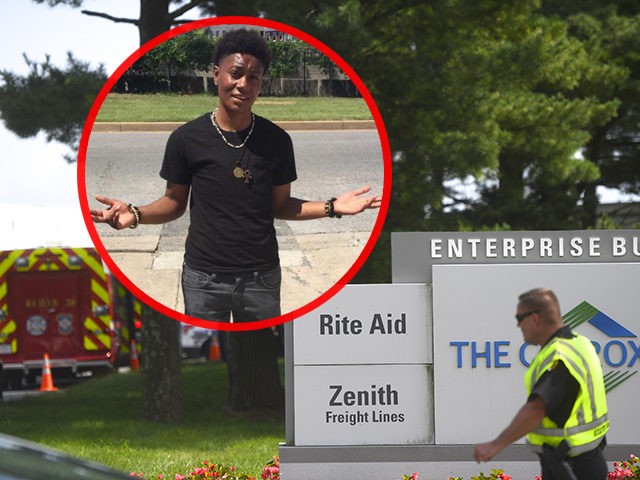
[(38, 188), (33, 171)]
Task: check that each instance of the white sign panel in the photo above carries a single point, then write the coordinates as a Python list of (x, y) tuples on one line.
[(480, 357), (367, 324), (363, 405)]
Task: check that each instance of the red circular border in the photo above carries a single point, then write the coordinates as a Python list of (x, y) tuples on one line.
[(239, 20)]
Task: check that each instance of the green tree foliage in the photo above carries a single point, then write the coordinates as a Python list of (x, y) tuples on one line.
[(189, 51), (609, 33), (56, 100), (544, 119), (501, 95), (193, 51), (287, 57), (50, 99)]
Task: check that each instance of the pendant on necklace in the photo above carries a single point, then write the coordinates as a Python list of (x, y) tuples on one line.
[(238, 172), (243, 174)]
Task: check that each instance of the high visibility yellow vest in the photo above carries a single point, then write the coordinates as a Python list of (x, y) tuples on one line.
[(588, 421)]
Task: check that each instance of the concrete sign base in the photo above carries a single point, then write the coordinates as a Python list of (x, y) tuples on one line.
[(432, 462)]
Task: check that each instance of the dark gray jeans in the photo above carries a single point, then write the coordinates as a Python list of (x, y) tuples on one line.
[(248, 296)]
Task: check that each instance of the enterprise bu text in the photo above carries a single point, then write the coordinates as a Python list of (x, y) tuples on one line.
[(521, 247)]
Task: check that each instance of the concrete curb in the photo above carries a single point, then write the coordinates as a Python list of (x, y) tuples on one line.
[(287, 125)]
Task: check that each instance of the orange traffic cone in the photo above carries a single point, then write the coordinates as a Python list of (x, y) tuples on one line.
[(214, 348), (134, 362), (46, 381)]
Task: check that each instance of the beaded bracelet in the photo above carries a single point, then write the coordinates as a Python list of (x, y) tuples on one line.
[(136, 213)]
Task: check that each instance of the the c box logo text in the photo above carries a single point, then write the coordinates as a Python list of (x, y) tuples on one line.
[(617, 347)]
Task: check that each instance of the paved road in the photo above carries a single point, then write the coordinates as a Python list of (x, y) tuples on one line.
[(314, 254)]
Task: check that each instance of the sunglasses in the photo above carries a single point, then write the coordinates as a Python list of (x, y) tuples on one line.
[(521, 316)]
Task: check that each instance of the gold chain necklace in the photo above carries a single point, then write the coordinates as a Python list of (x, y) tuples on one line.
[(215, 124)]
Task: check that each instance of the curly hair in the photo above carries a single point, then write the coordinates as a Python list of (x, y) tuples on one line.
[(243, 41)]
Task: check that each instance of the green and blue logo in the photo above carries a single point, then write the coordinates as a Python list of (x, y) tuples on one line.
[(619, 348)]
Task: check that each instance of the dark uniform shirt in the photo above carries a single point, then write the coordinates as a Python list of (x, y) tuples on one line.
[(557, 388)]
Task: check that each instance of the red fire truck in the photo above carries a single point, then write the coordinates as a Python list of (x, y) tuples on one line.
[(61, 302)]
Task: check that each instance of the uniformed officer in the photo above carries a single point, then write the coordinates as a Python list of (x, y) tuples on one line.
[(565, 416)]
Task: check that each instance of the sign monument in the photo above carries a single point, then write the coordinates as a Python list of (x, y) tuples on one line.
[(384, 380)]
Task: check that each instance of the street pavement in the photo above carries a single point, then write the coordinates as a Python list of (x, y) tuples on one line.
[(314, 254)]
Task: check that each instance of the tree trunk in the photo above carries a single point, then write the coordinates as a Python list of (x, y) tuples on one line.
[(511, 189), (154, 19), (160, 358), (590, 206), (254, 378), (511, 181), (160, 368), (590, 200)]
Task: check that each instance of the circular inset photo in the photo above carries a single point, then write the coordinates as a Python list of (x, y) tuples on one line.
[(234, 173)]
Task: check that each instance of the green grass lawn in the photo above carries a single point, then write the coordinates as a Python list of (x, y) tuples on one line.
[(101, 420), (182, 108)]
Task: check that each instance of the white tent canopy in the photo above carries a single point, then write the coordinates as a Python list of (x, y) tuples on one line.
[(29, 226)]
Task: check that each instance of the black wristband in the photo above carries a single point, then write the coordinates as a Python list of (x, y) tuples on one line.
[(329, 209)]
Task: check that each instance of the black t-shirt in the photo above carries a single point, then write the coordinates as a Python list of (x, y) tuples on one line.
[(557, 388), (231, 227)]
